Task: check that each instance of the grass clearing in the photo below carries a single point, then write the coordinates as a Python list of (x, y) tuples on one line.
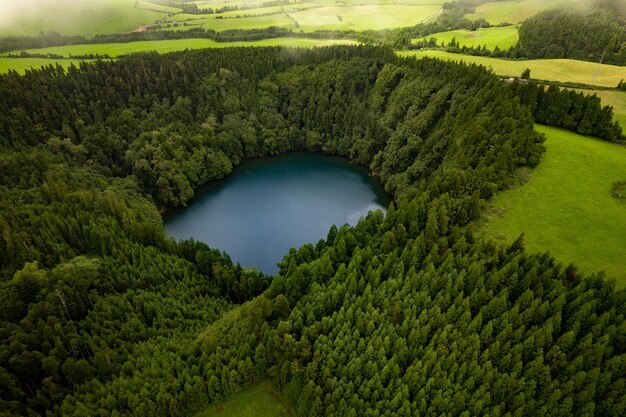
[(562, 70), (259, 401), (74, 17), (374, 17), (255, 22), (164, 46), (567, 207), (317, 15), (22, 64), (502, 37), (516, 11), (141, 4)]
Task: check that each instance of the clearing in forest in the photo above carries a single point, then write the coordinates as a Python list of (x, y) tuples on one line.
[(567, 207), (259, 401), (502, 37), (516, 11)]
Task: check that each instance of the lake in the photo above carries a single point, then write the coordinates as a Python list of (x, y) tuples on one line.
[(269, 205)]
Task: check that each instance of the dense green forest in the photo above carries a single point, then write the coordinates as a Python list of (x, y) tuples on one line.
[(404, 314), (599, 35), (596, 34)]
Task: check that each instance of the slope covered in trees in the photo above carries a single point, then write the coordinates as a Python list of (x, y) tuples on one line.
[(403, 314), (598, 35)]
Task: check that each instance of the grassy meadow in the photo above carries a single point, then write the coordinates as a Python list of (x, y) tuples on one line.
[(566, 207), (22, 64), (562, 70), (141, 4), (164, 46), (73, 17), (517, 11), (502, 37), (317, 15), (260, 401), (254, 22)]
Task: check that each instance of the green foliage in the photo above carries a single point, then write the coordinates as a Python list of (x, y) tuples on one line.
[(619, 190), (571, 110), (597, 36), (403, 314)]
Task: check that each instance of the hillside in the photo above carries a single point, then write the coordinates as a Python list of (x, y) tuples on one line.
[(560, 70), (312, 208), (398, 303), (560, 208), (73, 17)]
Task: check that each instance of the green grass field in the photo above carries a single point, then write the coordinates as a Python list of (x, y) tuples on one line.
[(22, 64), (73, 17), (116, 49), (318, 15), (517, 11), (365, 17), (259, 401), (566, 207), (141, 4), (502, 37), (562, 70), (255, 22)]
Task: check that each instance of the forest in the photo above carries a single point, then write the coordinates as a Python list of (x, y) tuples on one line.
[(598, 35), (404, 314), (595, 34)]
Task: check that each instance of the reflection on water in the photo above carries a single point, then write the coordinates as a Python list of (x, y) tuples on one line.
[(272, 204)]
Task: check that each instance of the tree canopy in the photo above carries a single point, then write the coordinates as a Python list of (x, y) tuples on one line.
[(406, 313)]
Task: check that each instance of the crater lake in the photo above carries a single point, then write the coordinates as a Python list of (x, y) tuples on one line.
[(269, 205)]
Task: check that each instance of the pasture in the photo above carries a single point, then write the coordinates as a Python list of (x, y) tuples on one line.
[(517, 11), (22, 64), (366, 17), (74, 17), (141, 4), (254, 22), (318, 15), (502, 37), (561, 70), (164, 46), (259, 401), (566, 207)]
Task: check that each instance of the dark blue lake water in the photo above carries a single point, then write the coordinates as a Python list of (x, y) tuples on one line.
[(269, 205)]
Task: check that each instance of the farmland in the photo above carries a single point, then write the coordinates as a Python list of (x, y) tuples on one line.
[(164, 46), (254, 22), (309, 17), (562, 70), (22, 64), (516, 11), (77, 18), (501, 37), (567, 207)]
